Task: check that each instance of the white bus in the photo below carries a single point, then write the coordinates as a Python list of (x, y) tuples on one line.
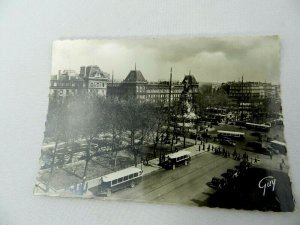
[(118, 180), (258, 127), (230, 134), (176, 159), (277, 146)]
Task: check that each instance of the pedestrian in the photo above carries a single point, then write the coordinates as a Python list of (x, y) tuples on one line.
[(203, 147), (280, 166), (282, 161), (199, 147), (271, 155)]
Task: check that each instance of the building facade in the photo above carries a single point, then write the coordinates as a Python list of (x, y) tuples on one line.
[(91, 79), (65, 84), (95, 80), (137, 87), (252, 92)]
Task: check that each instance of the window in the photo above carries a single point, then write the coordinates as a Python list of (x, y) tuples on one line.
[(135, 174), (125, 178), (114, 182), (120, 179), (130, 176)]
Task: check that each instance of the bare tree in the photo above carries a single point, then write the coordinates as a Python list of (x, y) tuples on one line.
[(89, 120), (136, 118), (56, 128), (114, 110)]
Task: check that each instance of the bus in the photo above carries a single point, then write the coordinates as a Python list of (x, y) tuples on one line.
[(277, 146), (259, 127), (231, 134), (119, 180), (176, 159)]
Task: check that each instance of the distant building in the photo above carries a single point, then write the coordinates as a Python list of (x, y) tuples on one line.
[(95, 80), (68, 83), (137, 87), (252, 92)]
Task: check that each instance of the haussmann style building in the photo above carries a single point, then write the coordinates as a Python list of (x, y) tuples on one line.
[(91, 79)]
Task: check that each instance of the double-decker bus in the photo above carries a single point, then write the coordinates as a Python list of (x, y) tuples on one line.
[(119, 180), (231, 134), (258, 127), (176, 159)]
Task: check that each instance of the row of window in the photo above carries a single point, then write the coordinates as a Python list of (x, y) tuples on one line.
[(60, 83), (181, 158), (97, 84), (125, 178), (163, 91), (162, 96)]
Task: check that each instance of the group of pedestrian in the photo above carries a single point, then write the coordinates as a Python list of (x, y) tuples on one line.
[(219, 150), (202, 144)]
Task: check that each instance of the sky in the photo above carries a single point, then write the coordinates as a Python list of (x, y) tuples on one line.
[(218, 59)]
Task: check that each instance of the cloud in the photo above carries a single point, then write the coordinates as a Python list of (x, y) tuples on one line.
[(216, 59)]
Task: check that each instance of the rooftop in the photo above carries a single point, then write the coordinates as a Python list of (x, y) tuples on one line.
[(135, 76), (190, 79)]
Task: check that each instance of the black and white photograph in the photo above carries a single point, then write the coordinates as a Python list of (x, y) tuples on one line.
[(193, 121)]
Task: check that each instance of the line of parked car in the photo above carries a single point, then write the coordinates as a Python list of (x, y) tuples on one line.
[(229, 177)]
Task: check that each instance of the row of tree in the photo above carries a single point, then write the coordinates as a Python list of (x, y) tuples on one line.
[(129, 124)]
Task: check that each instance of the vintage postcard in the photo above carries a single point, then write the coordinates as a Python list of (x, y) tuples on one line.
[(181, 120)]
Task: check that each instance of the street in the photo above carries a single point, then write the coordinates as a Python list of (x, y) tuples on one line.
[(185, 185)]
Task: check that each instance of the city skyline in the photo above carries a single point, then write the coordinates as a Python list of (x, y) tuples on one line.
[(213, 60)]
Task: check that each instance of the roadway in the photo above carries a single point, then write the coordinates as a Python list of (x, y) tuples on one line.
[(184, 185)]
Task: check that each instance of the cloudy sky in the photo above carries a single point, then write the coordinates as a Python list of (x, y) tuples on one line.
[(209, 59)]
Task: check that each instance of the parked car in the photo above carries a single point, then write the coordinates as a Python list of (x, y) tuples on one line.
[(217, 183)]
